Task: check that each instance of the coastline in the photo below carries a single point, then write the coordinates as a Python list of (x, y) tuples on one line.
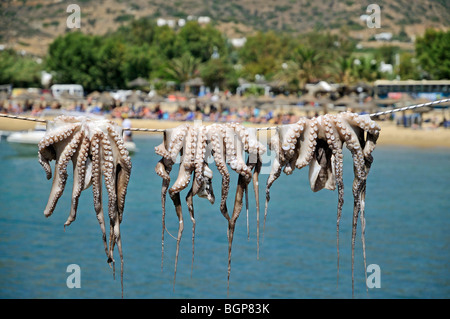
[(390, 134)]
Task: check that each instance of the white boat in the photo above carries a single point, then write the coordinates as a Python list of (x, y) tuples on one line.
[(26, 142)]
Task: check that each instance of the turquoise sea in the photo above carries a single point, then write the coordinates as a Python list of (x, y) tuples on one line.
[(407, 235)]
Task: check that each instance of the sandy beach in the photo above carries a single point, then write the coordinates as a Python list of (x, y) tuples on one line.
[(391, 134)]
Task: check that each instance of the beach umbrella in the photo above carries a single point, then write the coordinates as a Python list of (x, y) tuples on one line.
[(424, 109), (385, 101), (308, 98), (368, 106), (106, 98), (133, 98), (345, 100), (67, 96), (138, 82), (323, 100), (94, 95), (194, 82)]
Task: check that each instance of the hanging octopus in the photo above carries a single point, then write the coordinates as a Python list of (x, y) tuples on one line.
[(318, 142), (195, 143), (95, 148)]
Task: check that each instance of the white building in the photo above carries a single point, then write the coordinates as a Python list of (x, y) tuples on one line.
[(383, 36), (238, 42), (204, 19)]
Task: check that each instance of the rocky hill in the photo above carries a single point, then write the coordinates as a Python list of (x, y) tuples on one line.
[(31, 25)]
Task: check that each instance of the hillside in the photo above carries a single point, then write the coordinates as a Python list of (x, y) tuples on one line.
[(31, 25)]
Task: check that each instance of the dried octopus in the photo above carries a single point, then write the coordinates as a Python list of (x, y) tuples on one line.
[(195, 143), (318, 142), (95, 148)]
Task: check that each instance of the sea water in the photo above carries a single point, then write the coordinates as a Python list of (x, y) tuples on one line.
[(407, 235)]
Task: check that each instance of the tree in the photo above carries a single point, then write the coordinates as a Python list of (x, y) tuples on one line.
[(199, 41), (433, 54), (289, 76), (408, 69), (110, 58), (137, 62), (387, 54), (335, 45), (366, 69), (341, 70), (92, 61), (264, 53), (139, 31), (219, 72), (74, 59), (19, 70), (183, 68)]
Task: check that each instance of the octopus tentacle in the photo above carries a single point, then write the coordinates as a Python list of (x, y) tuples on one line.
[(321, 174), (187, 163), (123, 167), (177, 203), (60, 178), (370, 142), (44, 161), (255, 150), (353, 137), (79, 173), (234, 150), (308, 137), (97, 187), (184, 175), (286, 144), (243, 181), (190, 205), (255, 178), (219, 154), (177, 139), (198, 155), (163, 168), (336, 144)]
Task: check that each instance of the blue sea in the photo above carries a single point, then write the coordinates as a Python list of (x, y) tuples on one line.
[(407, 235)]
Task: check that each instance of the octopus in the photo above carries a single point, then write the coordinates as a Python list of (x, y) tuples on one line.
[(318, 142), (226, 143), (96, 149)]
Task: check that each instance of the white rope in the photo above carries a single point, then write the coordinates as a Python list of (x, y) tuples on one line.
[(411, 107), (17, 117), (133, 129)]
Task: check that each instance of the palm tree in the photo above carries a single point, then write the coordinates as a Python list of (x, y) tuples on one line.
[(289, 76), (341, 70), (183, 68), (365, 69), (307, 65), (312, 63)]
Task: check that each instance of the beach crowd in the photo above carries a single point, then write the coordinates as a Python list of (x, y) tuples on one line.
[(214, 112)]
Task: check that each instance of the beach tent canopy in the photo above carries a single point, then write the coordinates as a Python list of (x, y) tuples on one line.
[(138, 82), (194, 82)]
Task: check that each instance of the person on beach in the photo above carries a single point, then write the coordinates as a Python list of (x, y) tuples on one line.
[(126, 124)]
